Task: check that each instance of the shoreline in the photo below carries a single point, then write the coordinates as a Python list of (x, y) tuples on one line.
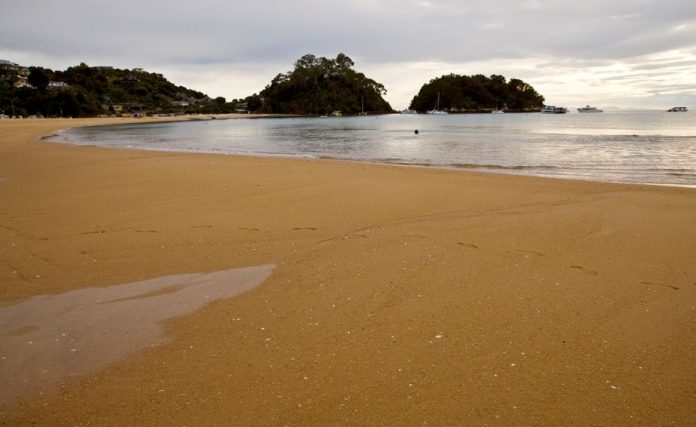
[(472, 168), (400, 296)]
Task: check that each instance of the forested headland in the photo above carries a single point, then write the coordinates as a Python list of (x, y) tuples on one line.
[(84, 91)]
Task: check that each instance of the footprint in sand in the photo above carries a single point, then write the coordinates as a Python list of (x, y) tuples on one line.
[(348, 236), (528, 252), (582, 269), (676, 288), (468, 245)]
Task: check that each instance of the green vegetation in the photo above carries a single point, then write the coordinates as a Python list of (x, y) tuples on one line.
[(90, 91), (316, 86), (477, 93), (321, 86)]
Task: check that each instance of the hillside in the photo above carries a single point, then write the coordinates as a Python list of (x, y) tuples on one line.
[(321, 86), (477, 93), (84, 91)]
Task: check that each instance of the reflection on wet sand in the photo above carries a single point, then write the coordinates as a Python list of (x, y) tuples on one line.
[(50, 338)]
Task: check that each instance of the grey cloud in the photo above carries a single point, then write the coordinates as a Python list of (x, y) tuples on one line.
[(673, 88), (564, 36), (378, 31), (687, 64)]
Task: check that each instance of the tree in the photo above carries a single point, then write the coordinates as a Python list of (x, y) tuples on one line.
[(38, 78), (344, 62), (254, 102)]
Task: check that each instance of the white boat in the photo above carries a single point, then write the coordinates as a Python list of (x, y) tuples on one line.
[(588, 109), (497, 112), (437, 110), (407, 111), (677, 110), (552, 109)]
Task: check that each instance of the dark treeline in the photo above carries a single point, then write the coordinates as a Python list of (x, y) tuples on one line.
[(83, 91), (321, 86), (477, 93), (315, 86)]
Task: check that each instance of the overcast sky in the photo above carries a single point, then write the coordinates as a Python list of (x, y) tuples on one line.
[(617, 53)]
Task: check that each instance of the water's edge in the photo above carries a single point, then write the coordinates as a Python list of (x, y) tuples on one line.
[(541, 171)]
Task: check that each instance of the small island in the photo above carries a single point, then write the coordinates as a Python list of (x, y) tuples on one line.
[(477, 94), (321, 86)]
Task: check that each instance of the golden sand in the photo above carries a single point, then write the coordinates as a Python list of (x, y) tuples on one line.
[(401, 295), (51, 339)]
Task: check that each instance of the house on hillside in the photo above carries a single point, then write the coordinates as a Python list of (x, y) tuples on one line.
[(23, 82), (7, 65), (57, 85)]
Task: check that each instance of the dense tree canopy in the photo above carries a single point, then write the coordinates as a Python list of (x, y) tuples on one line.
[(90, 91), (477, 93), (321, 86), (38, 78)]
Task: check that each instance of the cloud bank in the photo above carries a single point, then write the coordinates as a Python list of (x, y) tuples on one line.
[(622, 53)]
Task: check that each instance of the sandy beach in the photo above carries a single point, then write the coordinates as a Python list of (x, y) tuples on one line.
[(399, 295)]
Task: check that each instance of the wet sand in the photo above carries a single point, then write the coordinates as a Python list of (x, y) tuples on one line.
[(51, 339), (401, 295)]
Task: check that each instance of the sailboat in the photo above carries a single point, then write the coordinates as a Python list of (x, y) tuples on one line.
[(362, 107), (437, 110)]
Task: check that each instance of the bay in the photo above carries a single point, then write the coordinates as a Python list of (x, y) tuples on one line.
[(647, 147)]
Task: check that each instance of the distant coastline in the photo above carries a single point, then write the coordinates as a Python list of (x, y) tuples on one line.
[(316, 86)]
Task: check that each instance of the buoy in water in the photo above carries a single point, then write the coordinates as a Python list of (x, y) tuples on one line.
[(416, 131)]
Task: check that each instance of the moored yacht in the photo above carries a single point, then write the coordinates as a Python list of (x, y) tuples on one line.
[(437, 110), (552, 109), (588, 109)]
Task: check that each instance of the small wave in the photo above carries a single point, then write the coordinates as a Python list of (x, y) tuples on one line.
[(49, 137), (671, 170), (682, 174), (413, 164), (501, 167)]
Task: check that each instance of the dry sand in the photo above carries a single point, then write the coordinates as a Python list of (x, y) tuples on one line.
[(401, 295)]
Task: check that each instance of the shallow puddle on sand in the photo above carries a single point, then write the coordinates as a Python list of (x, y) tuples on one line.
[(49, 339)]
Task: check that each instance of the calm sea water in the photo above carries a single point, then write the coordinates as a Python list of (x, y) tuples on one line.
[(652, 147)]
